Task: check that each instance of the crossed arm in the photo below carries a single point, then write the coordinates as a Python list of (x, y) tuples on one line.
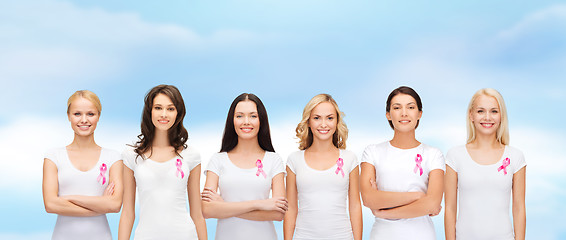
[(395, 205), (271, 209), (78, 205)]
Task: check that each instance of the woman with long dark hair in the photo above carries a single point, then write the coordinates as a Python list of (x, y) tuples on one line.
[(245, 171), (165, 171)]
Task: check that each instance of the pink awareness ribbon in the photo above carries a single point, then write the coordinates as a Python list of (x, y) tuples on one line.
[(103, 169), (503, 166), (418, 160), (260, 169), (179, 164), (340, 164)]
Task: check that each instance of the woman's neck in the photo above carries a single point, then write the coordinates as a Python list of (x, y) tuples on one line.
[(83, 142), (160, 139), (404, 140), (247, 146), (485, 142), (321, 146)]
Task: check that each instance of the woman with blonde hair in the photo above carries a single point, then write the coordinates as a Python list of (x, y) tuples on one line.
[(322, 178), (82, 181), (483, 174)]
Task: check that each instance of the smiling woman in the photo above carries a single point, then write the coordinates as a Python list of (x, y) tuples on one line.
[(82, 182), (402, 179)]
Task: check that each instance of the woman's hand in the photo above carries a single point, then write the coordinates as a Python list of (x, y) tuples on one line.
[(279, 204), (210, 195)]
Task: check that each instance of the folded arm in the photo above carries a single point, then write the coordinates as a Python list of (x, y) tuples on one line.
[(111, 200), (376, 199), (55, 204)]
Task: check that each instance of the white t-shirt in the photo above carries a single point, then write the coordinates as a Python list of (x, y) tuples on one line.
[(484, 194), (399, 170), (238, 185), (90, 183), (323, 198), (162, 191)]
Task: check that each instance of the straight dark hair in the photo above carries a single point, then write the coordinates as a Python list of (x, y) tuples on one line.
[(177, 134), (230, 138), (403, 90)]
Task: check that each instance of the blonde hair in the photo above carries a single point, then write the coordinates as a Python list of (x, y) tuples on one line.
[(503, 129), (88, 95), (304, 133)]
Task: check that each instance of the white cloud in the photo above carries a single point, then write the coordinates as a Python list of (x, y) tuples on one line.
[(26, 236), (553, 16)]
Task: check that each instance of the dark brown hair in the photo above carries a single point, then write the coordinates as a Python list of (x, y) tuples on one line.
[(403, 90), (230, 138), (177, 134)]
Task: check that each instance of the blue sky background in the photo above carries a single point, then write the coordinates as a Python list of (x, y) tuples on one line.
[(285, 52)]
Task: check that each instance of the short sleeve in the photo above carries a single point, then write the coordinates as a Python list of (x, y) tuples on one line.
[(112, 157), (192, 157), (367, 155), (51, 154), (352, 160), (518, 161), (214, 164), (437, 161), (292, 161), (129, 158), (451, 158), (277, 165)]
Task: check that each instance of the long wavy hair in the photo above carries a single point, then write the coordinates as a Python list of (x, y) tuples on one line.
[(230, 137), (304, 133), (177, 134), (502, 134), (403, 90)]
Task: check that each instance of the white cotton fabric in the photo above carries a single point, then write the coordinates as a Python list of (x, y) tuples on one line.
[(394, 171), (322, 198), (238, 185), (162, 192), (75, 182), (484, 194)]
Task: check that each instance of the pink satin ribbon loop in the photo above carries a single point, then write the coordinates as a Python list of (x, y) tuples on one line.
[(259, 166), (340, 164), (179, 164), (504, 166), (102, 174), (418, 161)]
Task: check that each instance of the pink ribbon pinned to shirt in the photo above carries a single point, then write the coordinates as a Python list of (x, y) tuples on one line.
[(418, 160), (503, 166), (259, 166), (102, 176), (179, 164), (340, 164)]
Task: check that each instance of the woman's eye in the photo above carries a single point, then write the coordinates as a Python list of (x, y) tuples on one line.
[(315, 118), (77, 114), (90, 114), (157, 108), (411, 107), (480, 111), (171, 109), (330, 118), (254, 116)]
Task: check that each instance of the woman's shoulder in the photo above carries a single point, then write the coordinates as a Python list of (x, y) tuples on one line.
[(348, 154), (190, 152), (430, 149), (514, 152), (377, 147)]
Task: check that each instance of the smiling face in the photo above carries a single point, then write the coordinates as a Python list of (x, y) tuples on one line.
[(485, 115), (246, 120), (163, 112), (83, 116), (404, 113), (322, 122)]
